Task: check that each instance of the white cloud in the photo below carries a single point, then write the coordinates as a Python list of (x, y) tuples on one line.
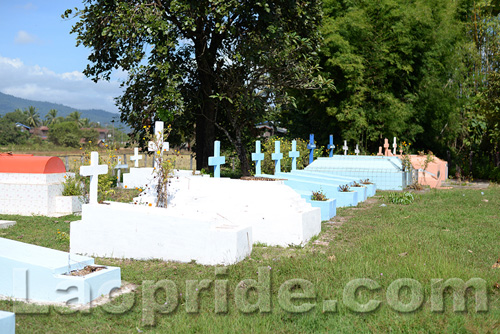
[(72, 89), (24, 37), (29, 6)]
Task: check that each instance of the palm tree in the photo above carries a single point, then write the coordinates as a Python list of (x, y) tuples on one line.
[(76, 117), (32, 116), (86, 123), (51, 117)]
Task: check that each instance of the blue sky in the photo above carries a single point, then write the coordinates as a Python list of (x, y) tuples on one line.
[(39, 59)]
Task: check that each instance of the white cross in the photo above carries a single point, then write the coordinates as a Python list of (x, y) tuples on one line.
[(158, 146), (136, 157), (119, 166), (345, 148), (356, 150), (394, 146), (94, 170)]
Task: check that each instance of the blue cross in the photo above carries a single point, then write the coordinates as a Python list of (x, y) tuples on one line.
[(331, 146), (216, 160), (311, 146), (258, 157), (277, 156), (294, 154)]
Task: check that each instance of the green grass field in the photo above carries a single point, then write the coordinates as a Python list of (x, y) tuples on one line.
[(443, 234)]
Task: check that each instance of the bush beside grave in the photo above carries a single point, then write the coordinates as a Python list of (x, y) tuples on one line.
[(285, 147)]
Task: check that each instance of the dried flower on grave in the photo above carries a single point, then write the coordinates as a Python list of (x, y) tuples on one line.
[(319, 196), (344, 188)]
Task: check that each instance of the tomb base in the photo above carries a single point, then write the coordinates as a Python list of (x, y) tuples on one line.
[(121, 230), (7, 322), (42, 274)]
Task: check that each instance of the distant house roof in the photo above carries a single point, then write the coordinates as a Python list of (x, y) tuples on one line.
[(22, 125), (269, 125)]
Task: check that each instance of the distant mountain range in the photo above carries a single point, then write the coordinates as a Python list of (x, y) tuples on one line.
[(9, 103)]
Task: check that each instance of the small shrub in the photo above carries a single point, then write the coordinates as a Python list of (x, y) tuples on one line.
[(355, 184), (404, 198), (319, 196), (367, 181), (72, 186)]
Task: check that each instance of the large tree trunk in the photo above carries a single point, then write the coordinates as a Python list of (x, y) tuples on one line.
[(205, 119)]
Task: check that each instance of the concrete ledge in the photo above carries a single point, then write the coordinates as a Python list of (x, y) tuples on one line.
[(6, 223), (7, 322), (121, 230), (38, 273)]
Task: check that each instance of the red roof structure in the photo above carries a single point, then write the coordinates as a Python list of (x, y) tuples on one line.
[(30, 164)]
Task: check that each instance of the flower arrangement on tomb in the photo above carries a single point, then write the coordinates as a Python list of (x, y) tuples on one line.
[(319, 196)]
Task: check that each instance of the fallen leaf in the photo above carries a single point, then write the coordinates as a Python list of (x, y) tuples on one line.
[(469, 251), (496, 285), (403, 254), (485, 200), (446, 230), (67, 221), (496, 265), (332, 258)]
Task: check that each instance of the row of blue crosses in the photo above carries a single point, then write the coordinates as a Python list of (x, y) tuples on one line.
[(217, 160)]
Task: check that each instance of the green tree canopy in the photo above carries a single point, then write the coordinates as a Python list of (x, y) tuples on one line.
[(65, 134), (397, 68), (212, 67)]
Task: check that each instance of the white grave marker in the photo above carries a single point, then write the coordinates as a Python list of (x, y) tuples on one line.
[(94, 170), (394, 146), (136, 157), (158, 146), (356, 150), (345, 148)]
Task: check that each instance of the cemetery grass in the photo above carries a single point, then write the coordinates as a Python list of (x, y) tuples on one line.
[(443, 234)]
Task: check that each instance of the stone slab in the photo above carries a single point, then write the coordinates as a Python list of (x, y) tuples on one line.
[(7, 322), (38, 273), (6, 223)]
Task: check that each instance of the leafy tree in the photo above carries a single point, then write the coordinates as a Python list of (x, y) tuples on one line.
[(51, 117), (32, 116), (396, 66), (65, 134), (76, 117), (90, 135), (9, 132), (211, 66)]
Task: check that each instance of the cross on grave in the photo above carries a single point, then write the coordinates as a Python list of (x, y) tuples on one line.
[(216, 160), (380, 151), (345, 148), (136, 157), (119, 166), (294, 154), (94, 170), (331, 146), (277, 156), (258, 157), (394, 146), (311, 146), (386, 147), (158, 146), (356, 150)]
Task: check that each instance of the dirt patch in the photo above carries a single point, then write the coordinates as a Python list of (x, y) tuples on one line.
[(259, 178), (85, 271)]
